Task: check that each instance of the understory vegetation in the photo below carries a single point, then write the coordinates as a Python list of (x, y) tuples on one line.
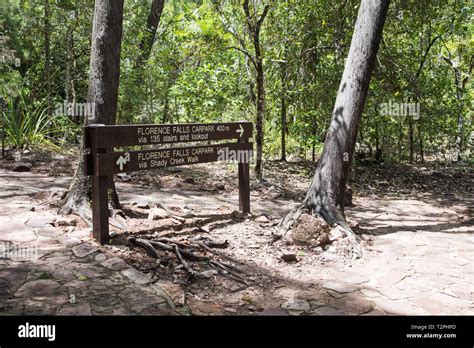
[(202, 68)]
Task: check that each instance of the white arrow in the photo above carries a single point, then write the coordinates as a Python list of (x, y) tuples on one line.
[(123, 160), (241, 130)]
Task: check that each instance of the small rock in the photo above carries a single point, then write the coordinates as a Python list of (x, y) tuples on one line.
[(237, 215), (189, 180), (262, 219), (297, 305), (100, 257), (310, 230), (289, 257), (157, 213), (142, 205), (354, 225), (124, 177), (64, 221), (22, 167), (82, 250), (219, 186)]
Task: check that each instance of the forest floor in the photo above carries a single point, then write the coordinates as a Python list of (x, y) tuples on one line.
[(415, 223)]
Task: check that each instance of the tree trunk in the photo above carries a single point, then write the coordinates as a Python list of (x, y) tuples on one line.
[(259, 120), (254, 26), (283, 110), (102, 94), (47, 53), (145, 47), (420, 137), (411, 137), (146, 44), (325, 196)]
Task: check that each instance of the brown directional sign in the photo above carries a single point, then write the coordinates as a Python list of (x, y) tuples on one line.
[(149, 134), (120, 162), (101, 162)]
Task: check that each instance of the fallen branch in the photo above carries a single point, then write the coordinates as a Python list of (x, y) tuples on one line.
[(145, 245)]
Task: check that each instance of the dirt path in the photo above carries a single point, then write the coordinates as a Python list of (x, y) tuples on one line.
[(418, 258)]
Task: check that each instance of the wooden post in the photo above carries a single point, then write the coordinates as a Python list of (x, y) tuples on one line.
[(100, 202), (244, 183)]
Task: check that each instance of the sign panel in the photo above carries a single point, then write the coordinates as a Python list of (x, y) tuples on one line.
[(120, 162), (101, 162), (116, 136)]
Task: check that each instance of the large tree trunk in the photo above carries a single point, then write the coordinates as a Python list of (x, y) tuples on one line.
[(325, 197), (102, 94)]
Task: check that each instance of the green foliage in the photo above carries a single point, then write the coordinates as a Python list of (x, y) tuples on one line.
[(198, 72)]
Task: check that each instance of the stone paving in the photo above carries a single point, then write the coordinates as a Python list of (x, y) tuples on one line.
[(48, 270), (421, 264)]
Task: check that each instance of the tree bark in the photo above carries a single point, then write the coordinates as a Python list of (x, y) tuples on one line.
[(254, 28), (102, 94), (325, 196), (284, 88), (47, 53)]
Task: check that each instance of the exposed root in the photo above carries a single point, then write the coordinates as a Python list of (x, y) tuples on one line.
[(178, 248)]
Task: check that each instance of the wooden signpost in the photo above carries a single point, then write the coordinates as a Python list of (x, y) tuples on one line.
[(101, 162)]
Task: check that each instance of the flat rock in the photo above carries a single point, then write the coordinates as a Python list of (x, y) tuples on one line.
[(353, 304), (36, 288), (115, 264), (328, 311), (84, 249), (138, 300), (297, 305), (83, 309), (262, 219), (38, 222), (137, 276), (205, 308), (158, 213), (289, 257), (65, 221), (174, 291)]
